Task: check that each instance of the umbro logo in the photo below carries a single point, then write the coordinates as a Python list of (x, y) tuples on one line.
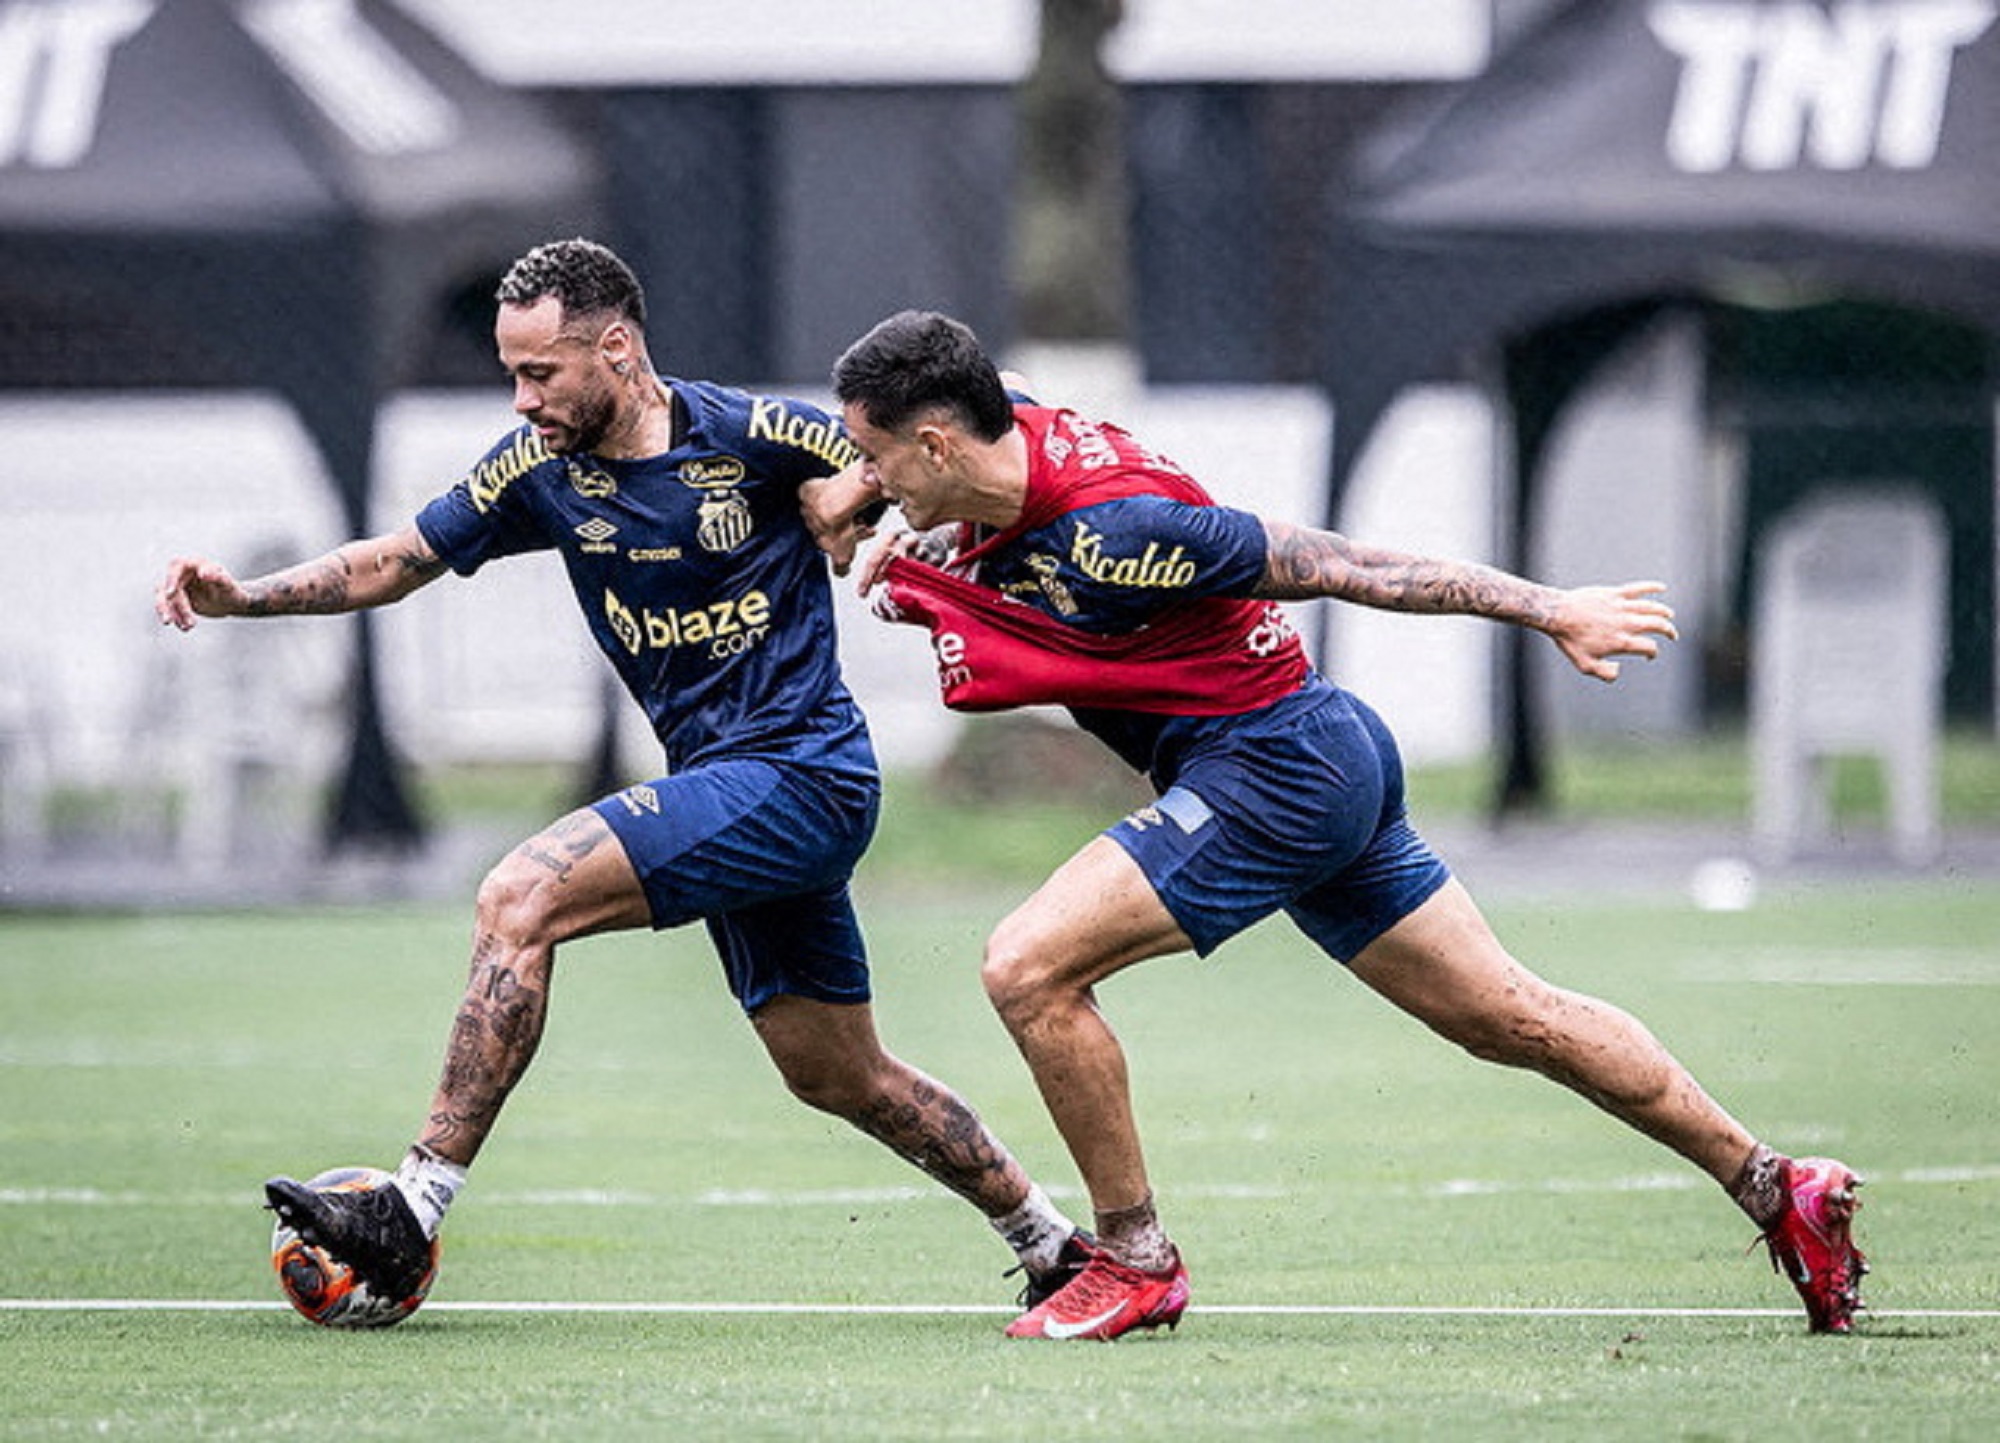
[(596, 534), (640, 798)]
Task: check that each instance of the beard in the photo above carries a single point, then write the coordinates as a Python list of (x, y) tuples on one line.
[(587, 428)]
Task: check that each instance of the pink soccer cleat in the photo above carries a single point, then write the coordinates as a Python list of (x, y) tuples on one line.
[(1810, 1244), (1106, 1300)]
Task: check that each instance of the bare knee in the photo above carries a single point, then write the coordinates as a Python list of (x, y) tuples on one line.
[(1016, 982), (829, 1061), (826, 1087), (514, 905)]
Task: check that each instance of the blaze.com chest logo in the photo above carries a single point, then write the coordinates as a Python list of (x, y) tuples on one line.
[(722, 629)]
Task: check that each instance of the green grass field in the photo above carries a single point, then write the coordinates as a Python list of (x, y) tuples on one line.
[(1330, 1171)]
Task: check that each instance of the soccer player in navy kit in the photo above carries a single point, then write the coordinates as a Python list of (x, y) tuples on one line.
[(676, 508), (1080, 569)]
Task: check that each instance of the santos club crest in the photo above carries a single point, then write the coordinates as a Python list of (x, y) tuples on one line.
[(723, 522)]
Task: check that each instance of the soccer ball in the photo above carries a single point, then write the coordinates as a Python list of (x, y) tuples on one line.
[(327, 1292)]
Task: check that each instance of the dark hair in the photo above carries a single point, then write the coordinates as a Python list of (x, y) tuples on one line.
[(918, 361), (587, 278)]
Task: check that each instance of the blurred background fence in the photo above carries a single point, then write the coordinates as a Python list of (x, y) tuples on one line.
[(1593, 290)]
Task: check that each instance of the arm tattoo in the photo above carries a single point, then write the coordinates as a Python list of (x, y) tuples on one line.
[(329, 584), (415, 563), (316, 588), (1303, 563)]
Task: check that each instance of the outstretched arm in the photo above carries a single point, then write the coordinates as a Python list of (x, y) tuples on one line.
[(352, 577), (1590, 624)]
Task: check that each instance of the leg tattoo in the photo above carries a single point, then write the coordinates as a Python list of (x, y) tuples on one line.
[(493, 1039), (934, 1128)]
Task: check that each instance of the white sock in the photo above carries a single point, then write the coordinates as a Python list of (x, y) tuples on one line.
[(1036, 1230), (429, 1183)]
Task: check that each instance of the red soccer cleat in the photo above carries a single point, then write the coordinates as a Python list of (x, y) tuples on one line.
[(1077, 1251), (1107, 1300), (1810, 1245)]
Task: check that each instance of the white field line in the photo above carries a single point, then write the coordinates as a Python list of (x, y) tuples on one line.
[(1943, 1175), (607, 1197), (864, 1310), (1814, 967)]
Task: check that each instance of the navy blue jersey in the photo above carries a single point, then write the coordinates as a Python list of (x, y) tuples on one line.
[(1113, 567), (694, 569)]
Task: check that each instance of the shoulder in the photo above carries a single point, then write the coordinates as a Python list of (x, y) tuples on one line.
[(1154, 514), (780, 432), (1158, 543), (512, 457)]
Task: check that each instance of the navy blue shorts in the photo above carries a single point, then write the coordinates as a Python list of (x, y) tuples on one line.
[(1304, 815), (760, 851)]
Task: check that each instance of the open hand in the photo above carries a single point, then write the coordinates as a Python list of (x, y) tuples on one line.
[(1593, 624), (194, 587)]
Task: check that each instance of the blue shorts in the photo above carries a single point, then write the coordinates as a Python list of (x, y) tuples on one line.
[(1302, 811), (761, 851)]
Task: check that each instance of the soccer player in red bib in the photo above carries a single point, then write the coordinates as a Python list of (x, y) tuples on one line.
[(1055, 560)]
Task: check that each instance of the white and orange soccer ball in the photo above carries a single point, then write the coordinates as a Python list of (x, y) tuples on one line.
[(326, 1291)]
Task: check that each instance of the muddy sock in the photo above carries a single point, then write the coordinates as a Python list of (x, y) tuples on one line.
[(1036, 1231), (429, 1183), (1134, 1237), (1759, 1188)]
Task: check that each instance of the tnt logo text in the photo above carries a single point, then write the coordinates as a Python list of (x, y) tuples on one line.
[(1835, 87), (53, 61)]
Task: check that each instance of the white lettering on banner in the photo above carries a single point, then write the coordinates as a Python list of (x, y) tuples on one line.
[(1778, 86), (53, 58), (381, 101)]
